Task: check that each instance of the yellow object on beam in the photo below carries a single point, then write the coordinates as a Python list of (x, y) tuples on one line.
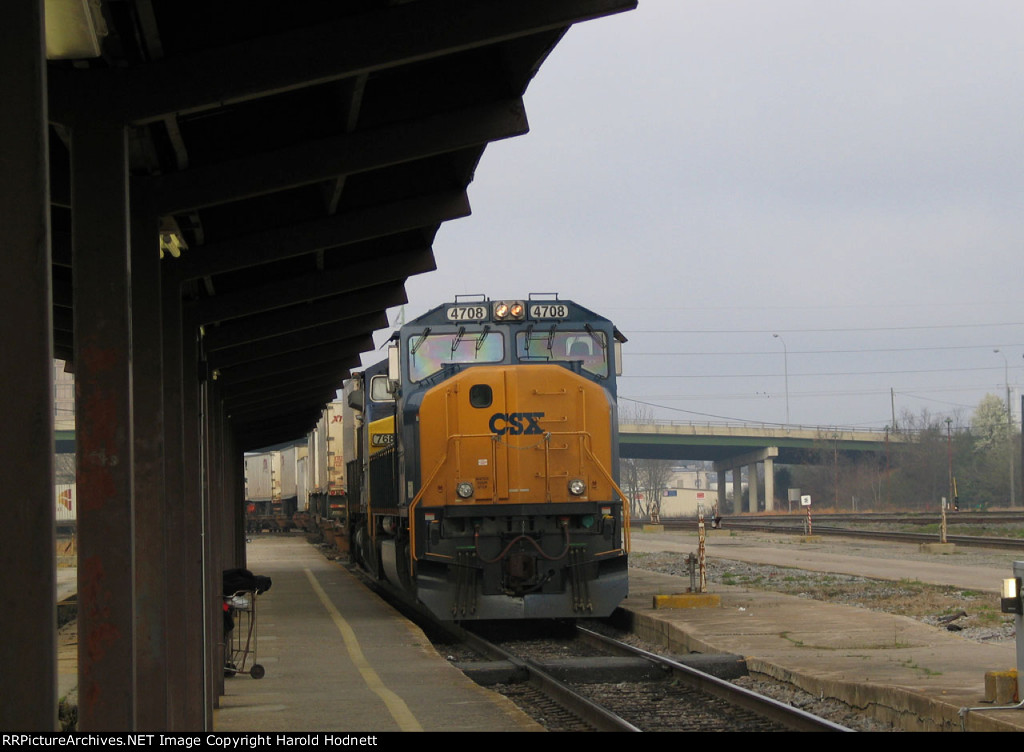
[(688, 600), (74, 29)]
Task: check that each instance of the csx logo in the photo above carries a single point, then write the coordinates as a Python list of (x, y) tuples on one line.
[(515, 424)]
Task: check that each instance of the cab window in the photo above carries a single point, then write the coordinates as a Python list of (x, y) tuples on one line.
[(380, 390), (590, 348), (429, 354)]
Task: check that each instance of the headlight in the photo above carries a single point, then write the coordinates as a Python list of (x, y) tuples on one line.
[(464, 490), (509, 310), (577, 487)]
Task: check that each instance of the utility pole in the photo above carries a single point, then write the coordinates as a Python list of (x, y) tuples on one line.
[(1009, 428), (949, 451), (785, 366)]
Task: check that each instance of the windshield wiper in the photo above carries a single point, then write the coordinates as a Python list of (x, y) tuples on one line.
[(423, 338), (458, 339), (481, 338)]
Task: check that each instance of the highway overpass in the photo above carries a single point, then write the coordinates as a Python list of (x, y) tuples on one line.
[(732, 447)]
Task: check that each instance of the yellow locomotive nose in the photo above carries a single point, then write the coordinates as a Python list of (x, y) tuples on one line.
[(540, 434), (517, 513)]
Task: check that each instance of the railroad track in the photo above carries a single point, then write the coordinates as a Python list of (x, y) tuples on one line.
[(598, 683), (898, 536), (574, 679), (586, 681), (794, 526)]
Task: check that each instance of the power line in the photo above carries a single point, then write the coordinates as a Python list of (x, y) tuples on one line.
[(826, 330), (944, 305), (804, 375), (632, 354), (692, 412)]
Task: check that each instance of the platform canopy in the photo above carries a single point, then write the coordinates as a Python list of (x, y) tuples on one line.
[(300, 156)]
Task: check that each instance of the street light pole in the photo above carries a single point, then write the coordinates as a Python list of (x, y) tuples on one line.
[(949, 454), (785, 365), (1009, 425)]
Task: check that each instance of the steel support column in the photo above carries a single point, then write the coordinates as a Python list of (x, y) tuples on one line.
[(28, 653), (195, 540), (216, 535), (236, 458), (103, 406), (184, 677), (151, 586)]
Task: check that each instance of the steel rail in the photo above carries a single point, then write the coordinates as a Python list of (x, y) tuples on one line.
[(595, 715), (1003, 544), (791, 718), (599, 717), (588, 711)]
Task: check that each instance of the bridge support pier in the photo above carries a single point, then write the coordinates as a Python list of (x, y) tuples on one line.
[(750, 460)]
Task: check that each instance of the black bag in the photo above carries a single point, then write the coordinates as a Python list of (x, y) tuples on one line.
[(242, 579)]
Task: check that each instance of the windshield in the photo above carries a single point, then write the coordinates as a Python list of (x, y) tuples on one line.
[(428, 353), (557, 344)]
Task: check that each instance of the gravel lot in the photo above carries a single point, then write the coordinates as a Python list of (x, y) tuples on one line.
[(973, 614)]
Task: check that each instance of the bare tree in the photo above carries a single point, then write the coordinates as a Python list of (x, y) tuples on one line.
[(629, 479), (654, 476), (64, 468), (646, 477), (630, 473)]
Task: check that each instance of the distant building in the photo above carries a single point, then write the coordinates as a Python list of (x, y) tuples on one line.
[(63, 398), (689, 488), (63, 420)]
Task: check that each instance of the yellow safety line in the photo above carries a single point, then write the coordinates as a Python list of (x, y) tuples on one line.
[(396, 705)]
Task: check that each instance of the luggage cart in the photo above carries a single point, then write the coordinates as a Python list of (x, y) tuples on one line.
[(240, 642)]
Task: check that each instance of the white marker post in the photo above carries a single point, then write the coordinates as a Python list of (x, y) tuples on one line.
[(805, 501), (942, 524), (703, 587)]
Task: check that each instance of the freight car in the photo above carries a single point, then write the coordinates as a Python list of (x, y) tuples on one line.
[(325, 474), (275, 487), (262, 489), (486, 478)]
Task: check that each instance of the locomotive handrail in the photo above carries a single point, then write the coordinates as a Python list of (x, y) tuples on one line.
[(419, 496), (625, 501)]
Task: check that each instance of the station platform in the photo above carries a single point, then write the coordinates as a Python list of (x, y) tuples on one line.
[(908, 673), (339, 659)]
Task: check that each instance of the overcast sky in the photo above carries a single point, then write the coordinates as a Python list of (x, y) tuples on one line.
[(710, 173)]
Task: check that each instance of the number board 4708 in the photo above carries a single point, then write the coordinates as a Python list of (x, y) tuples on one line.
[(549, 311), (467, 313)]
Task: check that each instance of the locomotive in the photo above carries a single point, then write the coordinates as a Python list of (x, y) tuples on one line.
[(485, 476)]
